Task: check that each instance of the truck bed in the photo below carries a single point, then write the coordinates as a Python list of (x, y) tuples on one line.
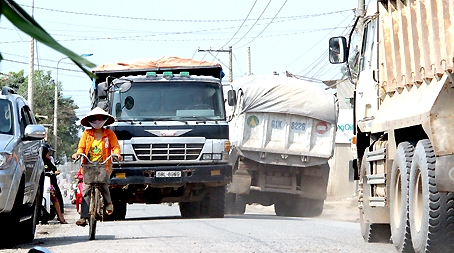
[(285, 134), (417, 41)]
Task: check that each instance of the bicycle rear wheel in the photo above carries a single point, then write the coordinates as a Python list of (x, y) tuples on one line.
[(94, 205)]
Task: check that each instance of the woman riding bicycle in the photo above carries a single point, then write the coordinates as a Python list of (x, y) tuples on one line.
[(97, 143)]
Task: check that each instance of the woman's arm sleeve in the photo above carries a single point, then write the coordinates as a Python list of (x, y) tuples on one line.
[(114, 142), (81, 147)]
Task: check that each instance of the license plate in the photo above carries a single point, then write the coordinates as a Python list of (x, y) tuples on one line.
[(168, 173)]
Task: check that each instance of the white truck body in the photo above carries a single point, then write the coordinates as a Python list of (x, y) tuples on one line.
[(404, 118), (282, 134)]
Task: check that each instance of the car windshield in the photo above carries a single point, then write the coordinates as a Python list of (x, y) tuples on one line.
[(169, 101), (6, 119)]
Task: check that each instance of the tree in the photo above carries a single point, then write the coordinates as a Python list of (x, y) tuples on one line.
[(18, 17), (44, 88)]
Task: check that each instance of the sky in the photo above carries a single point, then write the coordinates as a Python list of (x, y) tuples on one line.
[(282, 35)]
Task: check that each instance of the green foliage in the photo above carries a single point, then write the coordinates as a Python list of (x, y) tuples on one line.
[(12, 79), (18, 17), (43, 105)]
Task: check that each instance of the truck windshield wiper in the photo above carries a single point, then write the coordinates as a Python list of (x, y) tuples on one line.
[(199, 118), (165, 118), (126, 120)]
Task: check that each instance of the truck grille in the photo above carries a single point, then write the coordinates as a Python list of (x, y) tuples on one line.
[(167, 152)]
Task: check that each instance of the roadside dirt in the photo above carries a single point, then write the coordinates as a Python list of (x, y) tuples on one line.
[(342, 210)]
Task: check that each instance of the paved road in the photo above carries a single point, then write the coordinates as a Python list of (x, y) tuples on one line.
[(159, 228)]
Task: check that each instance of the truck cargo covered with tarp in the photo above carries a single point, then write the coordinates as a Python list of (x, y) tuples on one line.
[(282, 133), (169, 63), (283, 115)]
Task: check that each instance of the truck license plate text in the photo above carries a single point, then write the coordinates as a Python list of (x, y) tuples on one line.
[(168, 173)]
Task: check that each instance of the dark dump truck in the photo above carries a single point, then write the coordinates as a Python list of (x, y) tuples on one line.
[(171, 124)]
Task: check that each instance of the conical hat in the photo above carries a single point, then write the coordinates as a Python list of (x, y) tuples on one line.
[(97, 111)]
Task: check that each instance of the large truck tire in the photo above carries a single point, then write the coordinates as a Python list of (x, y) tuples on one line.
[(371, 232), (189, 209), (240, 204), (304, 207), (119, 212), (216, 202), (229, 202), (431, 212), (398, 198), (280, 208)]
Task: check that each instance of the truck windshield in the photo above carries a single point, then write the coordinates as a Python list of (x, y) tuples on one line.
[(6, 120), (169, 101)]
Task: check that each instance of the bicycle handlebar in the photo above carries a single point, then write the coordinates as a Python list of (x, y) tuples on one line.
[(88, 159)]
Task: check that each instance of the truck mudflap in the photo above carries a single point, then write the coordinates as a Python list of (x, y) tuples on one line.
[(165, 175)]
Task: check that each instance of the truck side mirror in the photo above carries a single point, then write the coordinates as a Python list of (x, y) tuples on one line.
[(129, 102), (338, 50), (231, 97)]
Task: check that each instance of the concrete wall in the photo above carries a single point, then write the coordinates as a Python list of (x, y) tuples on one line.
[(339, 184)]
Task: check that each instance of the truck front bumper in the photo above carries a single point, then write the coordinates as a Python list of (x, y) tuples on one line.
[(171, 175)]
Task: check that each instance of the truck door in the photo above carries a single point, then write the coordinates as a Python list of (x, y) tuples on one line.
[(367, 89)]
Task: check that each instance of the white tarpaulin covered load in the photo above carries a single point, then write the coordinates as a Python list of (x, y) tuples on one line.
[(271, 93)]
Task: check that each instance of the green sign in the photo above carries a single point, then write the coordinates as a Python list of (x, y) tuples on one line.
[(252, 121)]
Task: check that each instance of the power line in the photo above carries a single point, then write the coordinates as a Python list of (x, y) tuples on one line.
[(210, 39), (266, 25), (308, 50), (253, 24), (241, 24), (174, 20), (72, 70)]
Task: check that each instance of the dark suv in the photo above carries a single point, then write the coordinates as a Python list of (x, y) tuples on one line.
[(21, 168)]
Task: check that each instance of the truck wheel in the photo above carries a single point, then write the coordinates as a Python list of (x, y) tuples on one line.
[(229, 202), (189, 209), (398, 201), (217, 201), (431, 212), (371, 232), (304, 207), (121, 208), (240, 204), (28, 227), (280, 208), (119, 212)]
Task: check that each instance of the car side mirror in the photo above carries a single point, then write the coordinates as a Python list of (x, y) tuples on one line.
[(34, 132)]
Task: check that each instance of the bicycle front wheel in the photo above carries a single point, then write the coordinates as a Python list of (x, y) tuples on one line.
[(94, 206)]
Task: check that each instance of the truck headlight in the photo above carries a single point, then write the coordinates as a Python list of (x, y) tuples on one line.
[(128, 158), (206, 157), (215, 156)]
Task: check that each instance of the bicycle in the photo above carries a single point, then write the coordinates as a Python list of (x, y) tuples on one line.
[(95, 175)]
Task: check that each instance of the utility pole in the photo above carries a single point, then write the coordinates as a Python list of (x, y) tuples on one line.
[(249, 61), (31, 67), (361, 12), (222, 51)]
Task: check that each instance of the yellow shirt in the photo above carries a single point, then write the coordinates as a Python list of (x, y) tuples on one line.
[(95, 153)]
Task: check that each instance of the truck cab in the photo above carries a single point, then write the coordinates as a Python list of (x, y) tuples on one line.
[(173, 135)]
